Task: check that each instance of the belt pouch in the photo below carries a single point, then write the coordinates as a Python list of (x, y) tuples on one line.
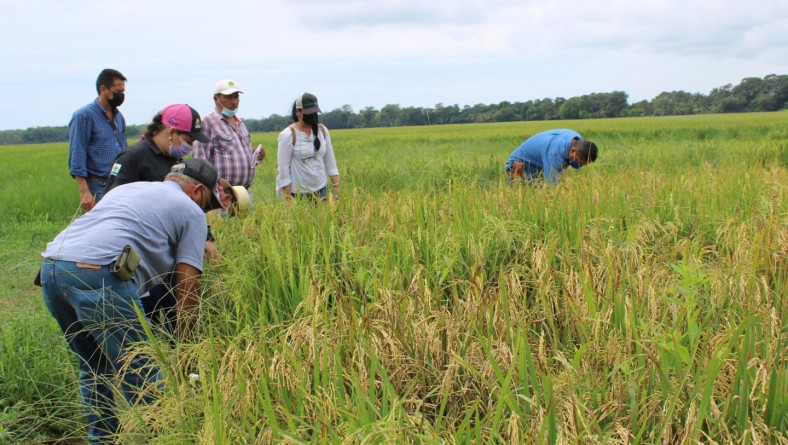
[(126, 263)]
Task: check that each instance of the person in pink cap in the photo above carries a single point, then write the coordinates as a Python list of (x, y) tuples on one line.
[(168, 138)]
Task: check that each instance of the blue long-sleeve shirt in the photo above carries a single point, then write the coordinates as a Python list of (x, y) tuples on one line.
[(546, 152), (94, 141)]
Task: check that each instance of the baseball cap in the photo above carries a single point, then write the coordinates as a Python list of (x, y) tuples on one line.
[(184, 118), (203, 171), (226, 87), (307, 103)]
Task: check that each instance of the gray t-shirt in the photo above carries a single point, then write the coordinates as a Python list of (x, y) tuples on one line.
[(156, 218)]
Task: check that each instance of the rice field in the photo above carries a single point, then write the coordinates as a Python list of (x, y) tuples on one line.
[(642, 300)]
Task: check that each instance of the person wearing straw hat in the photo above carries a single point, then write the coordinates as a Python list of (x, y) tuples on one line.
[(94, 271), (305, 154), (229, 145), (547, 154)]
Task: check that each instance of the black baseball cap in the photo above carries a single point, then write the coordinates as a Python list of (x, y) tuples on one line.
[(307, 103), (203, 171)]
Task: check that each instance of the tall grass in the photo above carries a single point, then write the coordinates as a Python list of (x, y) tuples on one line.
[(642, 300)]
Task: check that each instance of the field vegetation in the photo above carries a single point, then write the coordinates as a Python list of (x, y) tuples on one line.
[(642, 300)]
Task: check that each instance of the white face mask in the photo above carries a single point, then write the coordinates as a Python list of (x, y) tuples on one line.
[(226, 112)]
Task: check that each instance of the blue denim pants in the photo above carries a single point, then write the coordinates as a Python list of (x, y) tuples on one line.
[(95, 311), (319, 195), (97, 188)]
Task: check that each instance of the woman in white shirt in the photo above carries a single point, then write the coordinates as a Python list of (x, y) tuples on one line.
[(305, 156)]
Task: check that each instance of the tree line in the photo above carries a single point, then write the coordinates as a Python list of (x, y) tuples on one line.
[(751, 94)]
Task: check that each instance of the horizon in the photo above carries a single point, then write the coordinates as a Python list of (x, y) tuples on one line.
[(461, 106)]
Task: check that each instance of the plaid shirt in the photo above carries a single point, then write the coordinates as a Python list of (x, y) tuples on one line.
[(94, 141), (230, 151)]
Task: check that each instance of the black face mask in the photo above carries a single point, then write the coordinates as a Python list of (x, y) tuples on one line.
[(117, 100), (310, 119)]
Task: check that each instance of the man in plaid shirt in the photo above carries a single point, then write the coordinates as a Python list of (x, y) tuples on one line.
[(230, 147)]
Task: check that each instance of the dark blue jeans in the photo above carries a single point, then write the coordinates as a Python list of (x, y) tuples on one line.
[(319, 195), (95, 311), (97, 188)]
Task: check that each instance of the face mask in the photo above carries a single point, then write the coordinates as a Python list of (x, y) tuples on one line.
[(181, 150), (310, 119), (117, 100), (574, 164), (226, 112)]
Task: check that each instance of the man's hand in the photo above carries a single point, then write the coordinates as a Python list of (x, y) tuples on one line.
[(86, 200), (211, 252), (260, 152), (335, 185)]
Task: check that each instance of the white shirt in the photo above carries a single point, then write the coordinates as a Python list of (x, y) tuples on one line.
[(300, 166)]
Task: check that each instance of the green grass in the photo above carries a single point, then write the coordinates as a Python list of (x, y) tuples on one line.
[(642, 300)]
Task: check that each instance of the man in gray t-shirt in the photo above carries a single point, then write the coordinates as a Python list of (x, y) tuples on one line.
[(97, 309)]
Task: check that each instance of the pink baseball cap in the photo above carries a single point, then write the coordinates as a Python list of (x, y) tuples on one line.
[(184, 118)]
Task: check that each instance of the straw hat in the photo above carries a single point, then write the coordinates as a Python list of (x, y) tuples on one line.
[(240, 202)]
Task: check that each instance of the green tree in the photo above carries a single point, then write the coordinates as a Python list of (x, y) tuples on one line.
[(413, 116), (748, 90), (570, 109), (390, 115), (368, 117)]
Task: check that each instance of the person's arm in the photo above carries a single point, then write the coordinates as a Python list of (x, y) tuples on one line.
[(187, 293), (553, 158), (124, 142), (283, 158), (330, 162), (86, 199), (551, 168), (79, 130), (189, 257)]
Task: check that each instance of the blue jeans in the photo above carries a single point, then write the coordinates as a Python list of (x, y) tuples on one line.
[(97, 187), (311, 196), (95, 311)]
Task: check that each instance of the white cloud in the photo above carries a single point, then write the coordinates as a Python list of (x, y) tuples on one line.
[(370, 52)]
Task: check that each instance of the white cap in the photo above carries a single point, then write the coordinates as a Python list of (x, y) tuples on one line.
[(226, 87)]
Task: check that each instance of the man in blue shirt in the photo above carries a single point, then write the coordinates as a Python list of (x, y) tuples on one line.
[(548, 154), (97, 133)]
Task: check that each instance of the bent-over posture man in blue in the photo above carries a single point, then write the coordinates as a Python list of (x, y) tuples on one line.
[(548, 154)]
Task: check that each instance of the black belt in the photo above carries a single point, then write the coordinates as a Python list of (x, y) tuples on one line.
[(96, 178)]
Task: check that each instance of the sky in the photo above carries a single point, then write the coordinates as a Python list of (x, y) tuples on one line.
[(370, 53)]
